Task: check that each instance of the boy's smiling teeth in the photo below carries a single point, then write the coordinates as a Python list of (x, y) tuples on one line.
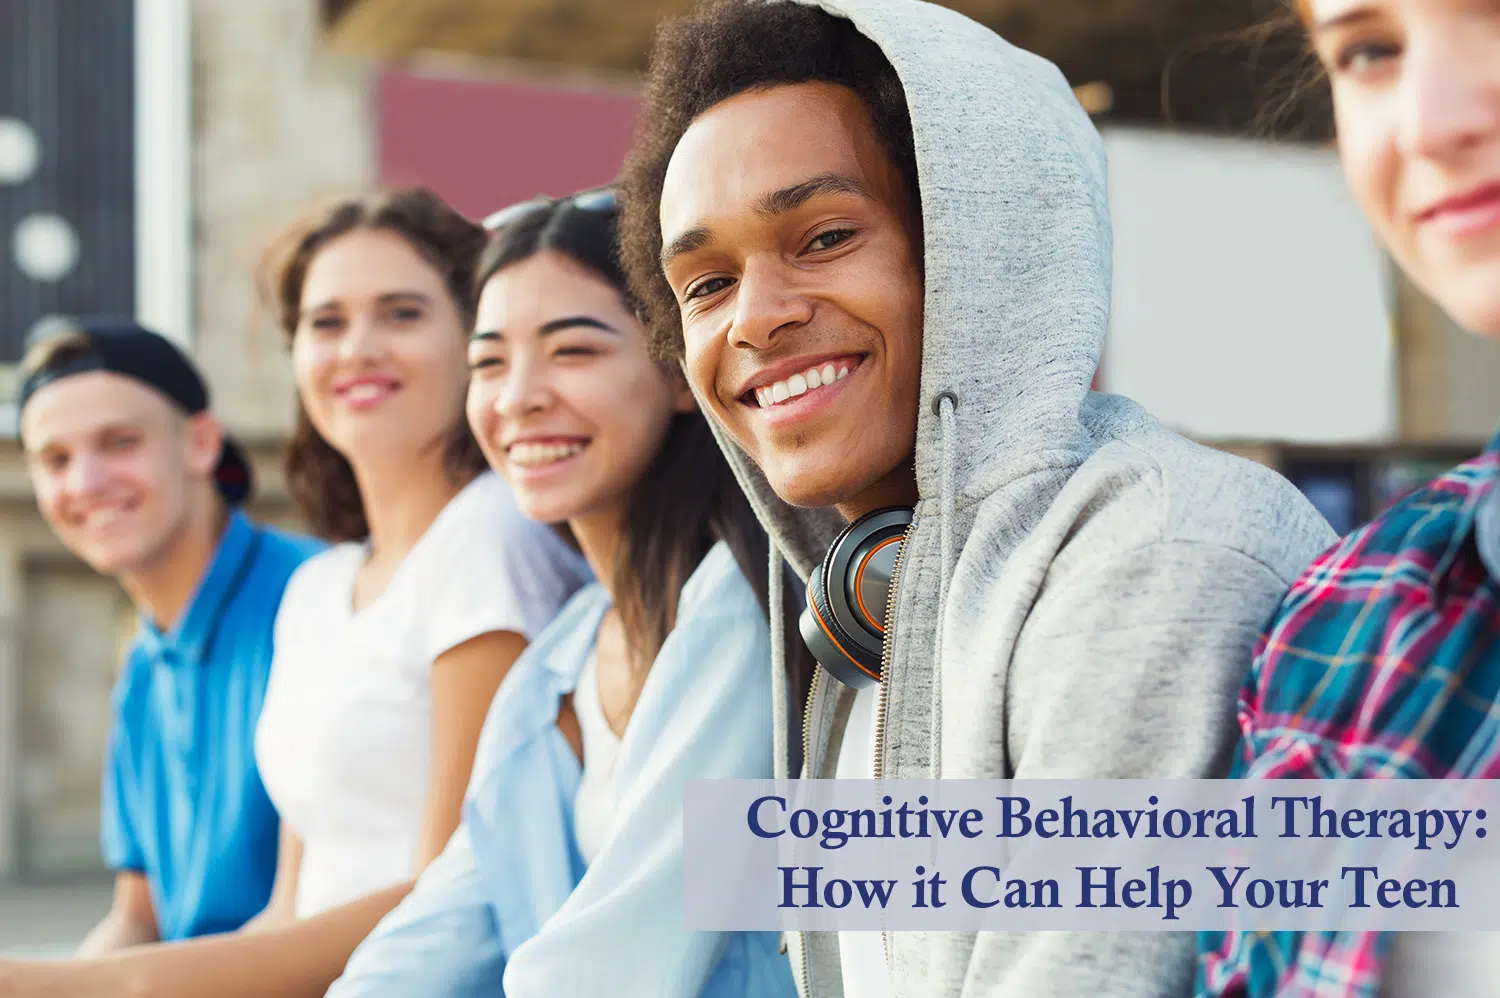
[(529, 455), (800, 384)]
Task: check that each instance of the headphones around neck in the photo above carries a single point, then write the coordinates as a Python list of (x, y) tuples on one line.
[(844, 623)]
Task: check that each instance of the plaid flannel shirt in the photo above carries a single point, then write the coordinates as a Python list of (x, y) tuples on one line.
[(1382, 661)]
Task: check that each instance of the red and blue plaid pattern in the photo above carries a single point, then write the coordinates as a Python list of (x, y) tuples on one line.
[(1383, 661)]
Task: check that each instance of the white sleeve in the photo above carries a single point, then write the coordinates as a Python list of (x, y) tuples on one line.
[(491, 569)]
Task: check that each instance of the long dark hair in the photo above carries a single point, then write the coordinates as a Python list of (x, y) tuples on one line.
[(688, 498), (320, 479)]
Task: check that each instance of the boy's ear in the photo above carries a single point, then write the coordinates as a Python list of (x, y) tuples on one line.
[(204, 441)]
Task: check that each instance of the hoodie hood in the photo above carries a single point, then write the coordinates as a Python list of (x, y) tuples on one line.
[(1080, 590), (1017, 262)]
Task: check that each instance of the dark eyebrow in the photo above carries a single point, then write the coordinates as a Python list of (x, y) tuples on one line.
[(793, 197), (553, 326), (777, 202), (693, 239), (573, 321)]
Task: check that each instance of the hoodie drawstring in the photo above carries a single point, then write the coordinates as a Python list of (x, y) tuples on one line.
[(780, 695), (946, 408)]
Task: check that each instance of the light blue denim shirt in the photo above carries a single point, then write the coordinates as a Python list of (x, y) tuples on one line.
[(511, 900)]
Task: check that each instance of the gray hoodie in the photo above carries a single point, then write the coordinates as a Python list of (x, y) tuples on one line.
[(1081, 589)]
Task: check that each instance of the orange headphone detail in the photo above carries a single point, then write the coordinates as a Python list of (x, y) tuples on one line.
[(844, 624)]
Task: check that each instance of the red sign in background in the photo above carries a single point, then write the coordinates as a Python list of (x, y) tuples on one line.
[(484, 144)]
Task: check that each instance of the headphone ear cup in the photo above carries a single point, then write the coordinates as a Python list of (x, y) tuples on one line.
[(834, 648)]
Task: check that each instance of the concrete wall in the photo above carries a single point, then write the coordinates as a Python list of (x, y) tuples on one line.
[(70, 645), (281, 124)]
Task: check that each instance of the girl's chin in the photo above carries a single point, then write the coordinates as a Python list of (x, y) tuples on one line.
[(388, 441), (543, 506)]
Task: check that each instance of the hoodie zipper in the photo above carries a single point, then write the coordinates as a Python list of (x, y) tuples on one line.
[(880, 711), (807, 715), (882, 696)]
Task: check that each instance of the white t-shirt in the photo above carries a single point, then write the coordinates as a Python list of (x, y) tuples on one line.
[(594, 807), (344, 742), (862, 954)]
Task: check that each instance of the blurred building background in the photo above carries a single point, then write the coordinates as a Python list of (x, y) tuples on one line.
[(150, 149)]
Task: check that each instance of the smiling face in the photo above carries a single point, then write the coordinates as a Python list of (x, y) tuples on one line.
[(794, 254), (113, 465), (379, 349), (1416, 91), (564, 399)]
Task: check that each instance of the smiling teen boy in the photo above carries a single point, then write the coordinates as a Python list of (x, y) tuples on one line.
[(134, 475), (877, 237)]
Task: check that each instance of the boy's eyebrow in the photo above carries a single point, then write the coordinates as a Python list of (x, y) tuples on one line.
[(124, 424), (693, 239), (771, 204), (796, 195)]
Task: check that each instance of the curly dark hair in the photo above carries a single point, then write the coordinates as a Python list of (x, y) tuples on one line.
[(722, 50), (319, 478)]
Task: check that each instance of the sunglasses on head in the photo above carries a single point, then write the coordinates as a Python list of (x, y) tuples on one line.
[(599, 199)]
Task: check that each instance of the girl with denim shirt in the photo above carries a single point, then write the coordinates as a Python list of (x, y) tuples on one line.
[(565, 877)]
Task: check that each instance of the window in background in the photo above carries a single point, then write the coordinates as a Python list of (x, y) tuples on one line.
[(67, 157), (1338, 489)]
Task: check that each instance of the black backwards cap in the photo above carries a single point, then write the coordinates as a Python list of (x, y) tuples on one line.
[(124, 347)]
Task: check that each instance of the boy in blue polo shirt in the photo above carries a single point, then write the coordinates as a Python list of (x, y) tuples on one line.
[(136, 477)]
